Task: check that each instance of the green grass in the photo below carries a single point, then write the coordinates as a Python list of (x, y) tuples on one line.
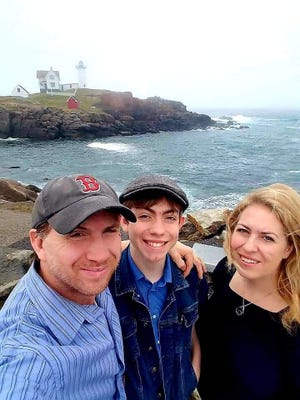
[(89, 100)]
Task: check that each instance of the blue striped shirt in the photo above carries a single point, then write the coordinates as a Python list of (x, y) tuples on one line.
[(52, 348)]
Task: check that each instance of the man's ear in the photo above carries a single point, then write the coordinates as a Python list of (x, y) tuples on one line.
[(124, 224), (37, 243)]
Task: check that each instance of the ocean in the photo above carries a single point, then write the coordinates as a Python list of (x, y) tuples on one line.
[(215, 167)]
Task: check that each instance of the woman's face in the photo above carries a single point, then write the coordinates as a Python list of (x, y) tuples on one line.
[(258, 243)]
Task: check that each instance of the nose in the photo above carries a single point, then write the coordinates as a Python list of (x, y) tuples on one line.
[(250, 243), (157, 226), (98, 250)]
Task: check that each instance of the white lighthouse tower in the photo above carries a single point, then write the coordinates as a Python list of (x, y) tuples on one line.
[(81, 68)]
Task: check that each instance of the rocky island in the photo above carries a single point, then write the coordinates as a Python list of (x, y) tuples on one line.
[(100, 113)]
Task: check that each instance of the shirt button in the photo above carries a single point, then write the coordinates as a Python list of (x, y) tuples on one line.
[(153, 316), (159, 395), (154, 370), (150, 348)]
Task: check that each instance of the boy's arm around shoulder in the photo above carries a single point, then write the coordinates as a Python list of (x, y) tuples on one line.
[(186, 258)]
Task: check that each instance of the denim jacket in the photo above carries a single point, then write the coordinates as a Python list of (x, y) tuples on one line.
[(149, 376)]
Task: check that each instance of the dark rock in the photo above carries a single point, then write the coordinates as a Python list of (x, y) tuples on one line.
[(11, 190), (13, 266)]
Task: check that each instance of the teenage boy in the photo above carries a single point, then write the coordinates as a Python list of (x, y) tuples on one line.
[(157, 306)]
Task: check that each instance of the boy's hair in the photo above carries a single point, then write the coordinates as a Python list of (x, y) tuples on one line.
[(145, 201), (154, 187)]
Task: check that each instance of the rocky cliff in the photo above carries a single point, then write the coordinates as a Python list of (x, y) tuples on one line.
[(101, 113)]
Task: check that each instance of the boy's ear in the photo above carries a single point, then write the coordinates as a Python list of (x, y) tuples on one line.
[(124, 223), (181, 221)]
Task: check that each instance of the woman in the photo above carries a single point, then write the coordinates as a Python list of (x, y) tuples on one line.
[(249, 329)]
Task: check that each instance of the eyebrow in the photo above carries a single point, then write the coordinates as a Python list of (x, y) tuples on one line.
[(150, 209), (112, 225)]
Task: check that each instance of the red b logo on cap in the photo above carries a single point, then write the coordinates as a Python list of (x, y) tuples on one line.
[(89, 183)]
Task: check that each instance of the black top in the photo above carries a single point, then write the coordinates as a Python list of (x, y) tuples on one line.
[(245, 357)]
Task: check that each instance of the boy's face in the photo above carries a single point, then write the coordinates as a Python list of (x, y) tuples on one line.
[(155, 232)]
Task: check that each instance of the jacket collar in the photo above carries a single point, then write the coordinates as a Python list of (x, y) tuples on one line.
[(125, 282)]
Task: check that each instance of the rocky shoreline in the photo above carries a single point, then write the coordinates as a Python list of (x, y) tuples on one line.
[(16, 200), (107, 114)]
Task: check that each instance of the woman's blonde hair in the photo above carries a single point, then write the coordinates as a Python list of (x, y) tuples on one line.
[(284, 202)]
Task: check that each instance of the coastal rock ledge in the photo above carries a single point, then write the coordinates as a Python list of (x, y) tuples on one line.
[(109, 114), (16, 201)]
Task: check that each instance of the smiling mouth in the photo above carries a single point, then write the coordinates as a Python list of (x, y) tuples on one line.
[(248, 260), (155, 245), (94, 270)]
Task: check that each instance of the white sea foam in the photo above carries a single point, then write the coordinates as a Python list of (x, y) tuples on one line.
[(293, 127), (224, 201), (9, 139), (118, 147), (242, 119), (294, 172)]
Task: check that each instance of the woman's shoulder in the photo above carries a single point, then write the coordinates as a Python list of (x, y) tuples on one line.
[(222, 272)]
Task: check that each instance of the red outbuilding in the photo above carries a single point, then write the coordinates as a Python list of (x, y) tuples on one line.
[(72, 102)]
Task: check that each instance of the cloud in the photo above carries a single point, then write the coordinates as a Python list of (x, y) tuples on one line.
[(205, 54)]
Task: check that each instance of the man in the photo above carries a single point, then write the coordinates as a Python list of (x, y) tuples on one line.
[(59, 330), (157, 306)]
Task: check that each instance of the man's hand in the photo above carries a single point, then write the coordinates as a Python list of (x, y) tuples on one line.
[(185, 258)]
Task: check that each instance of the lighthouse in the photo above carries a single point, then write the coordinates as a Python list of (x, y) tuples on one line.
[(81, 68)]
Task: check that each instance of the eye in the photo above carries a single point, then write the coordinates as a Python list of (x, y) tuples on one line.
[(143, 216), (75, 234), (171, 218), (241, 230), (268, 238)]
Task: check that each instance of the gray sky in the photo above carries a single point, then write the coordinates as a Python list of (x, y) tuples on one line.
[(206, 54)]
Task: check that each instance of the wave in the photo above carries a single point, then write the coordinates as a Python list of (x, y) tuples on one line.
[(223, 201), (10, 139), (241, 119), (117, 147), (293, 127)]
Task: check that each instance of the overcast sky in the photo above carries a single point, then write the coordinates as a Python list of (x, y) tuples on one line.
[(206, 54)]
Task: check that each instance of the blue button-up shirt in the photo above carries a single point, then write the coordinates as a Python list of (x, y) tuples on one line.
[(53, 348), (154, 294)]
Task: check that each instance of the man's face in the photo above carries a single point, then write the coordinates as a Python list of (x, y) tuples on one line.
[(79, 265), (155, 232)]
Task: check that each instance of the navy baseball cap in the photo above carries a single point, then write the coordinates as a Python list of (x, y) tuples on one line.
[(67, 201), (155, 184)]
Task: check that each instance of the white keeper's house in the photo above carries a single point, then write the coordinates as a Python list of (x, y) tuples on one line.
[(49, 81)]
